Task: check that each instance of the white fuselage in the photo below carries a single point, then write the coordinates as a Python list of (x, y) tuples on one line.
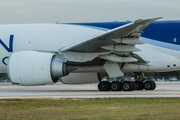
[(49, 37)]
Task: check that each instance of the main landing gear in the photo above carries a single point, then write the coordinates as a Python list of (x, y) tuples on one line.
[(139, 84), (126, 85)]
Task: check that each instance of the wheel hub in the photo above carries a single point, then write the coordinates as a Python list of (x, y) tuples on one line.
[(148, 85), (103, 86), (126, 86), (137, 86), (114, 86)]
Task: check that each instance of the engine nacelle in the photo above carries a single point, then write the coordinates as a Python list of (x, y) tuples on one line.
[(82, 78), (29, 68)]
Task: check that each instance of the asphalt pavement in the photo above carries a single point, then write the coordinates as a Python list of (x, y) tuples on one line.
[(59, 90)]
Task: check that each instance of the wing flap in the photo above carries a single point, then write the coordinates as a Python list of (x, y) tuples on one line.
[(121, 48), (132, 41)]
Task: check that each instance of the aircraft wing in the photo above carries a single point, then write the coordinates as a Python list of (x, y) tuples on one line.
[(126, 31), (120, 42)]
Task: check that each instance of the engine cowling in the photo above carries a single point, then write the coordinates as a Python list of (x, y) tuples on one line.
[(82, 78), (29, 68)]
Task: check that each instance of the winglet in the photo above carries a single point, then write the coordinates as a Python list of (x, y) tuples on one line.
[(149, 19)]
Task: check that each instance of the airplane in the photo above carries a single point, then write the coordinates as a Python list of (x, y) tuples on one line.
[(82, 53)]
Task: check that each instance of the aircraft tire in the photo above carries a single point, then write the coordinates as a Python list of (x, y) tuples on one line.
[(104, 86), (154, 85), (138, 85), (148, 85), (115, 86), (127, 86), (133, 85)]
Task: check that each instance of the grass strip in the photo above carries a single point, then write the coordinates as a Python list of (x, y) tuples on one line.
[(90, 109)]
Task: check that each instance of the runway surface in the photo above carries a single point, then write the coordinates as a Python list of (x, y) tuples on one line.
[(58, 90)]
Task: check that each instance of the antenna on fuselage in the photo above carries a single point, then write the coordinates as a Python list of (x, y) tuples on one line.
[(57, 22)]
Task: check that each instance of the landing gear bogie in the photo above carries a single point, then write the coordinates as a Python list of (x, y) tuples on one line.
[(126, 85)]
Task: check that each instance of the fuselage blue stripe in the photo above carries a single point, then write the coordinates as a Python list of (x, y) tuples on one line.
[(159, 33), (160, 44)]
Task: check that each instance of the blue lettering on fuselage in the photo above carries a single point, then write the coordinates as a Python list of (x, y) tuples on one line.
[(10, 49), (3, 60)]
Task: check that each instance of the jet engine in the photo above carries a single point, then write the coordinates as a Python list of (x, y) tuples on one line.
[(82, 78), (29, 68)]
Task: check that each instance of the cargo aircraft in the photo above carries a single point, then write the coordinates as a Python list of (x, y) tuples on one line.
[(81, 53)]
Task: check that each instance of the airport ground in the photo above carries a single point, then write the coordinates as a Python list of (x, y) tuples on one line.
[(58, 90), (83, 102)]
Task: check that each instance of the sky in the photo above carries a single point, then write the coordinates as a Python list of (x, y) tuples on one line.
[(75, 11)]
